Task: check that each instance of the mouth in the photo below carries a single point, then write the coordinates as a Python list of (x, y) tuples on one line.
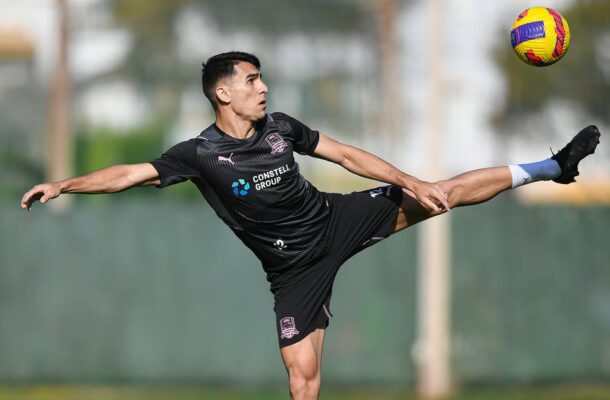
[(263, 102)]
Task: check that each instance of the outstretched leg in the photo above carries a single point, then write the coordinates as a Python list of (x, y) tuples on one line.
[(469, 188), (481, 185), (302, 361)]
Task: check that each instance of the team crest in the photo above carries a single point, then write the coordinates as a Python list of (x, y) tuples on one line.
[(277, 143), (288, 328)]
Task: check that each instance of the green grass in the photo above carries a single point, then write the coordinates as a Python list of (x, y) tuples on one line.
[(195, 393)]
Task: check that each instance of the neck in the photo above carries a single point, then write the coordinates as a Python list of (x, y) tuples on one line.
[(235, 126)]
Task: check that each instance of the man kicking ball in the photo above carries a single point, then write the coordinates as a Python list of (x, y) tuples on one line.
[(243, 164)]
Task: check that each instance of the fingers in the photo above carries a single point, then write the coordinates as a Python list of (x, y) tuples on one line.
[(35, 193), (437, 207), (26, 200), (435, 200), (442, 198), (431, 206)]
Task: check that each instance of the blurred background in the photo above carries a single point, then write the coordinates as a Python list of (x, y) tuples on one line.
[(146, 294)]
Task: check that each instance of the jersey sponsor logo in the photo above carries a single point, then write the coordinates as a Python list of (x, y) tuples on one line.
[(279, 244), (227, 159), (240, 187), (288, 328), (277, 143), (269, 178)]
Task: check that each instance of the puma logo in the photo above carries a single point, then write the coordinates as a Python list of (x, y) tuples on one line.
[(227, 159)]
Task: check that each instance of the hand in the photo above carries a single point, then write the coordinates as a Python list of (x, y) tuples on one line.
[(430, 196), (43, 192)]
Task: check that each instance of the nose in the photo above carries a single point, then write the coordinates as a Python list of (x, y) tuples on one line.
[(263, 88)]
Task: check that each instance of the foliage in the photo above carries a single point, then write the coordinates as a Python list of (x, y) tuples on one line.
[(18, 171), (151, 25), (154, 62), (23, 140), (281, 17), (103, 147)]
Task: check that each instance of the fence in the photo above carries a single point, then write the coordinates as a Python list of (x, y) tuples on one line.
[(141, 292)]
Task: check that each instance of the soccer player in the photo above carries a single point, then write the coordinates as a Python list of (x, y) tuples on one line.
[(243, 164)]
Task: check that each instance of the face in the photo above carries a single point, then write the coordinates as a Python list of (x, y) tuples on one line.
[(245, 92)]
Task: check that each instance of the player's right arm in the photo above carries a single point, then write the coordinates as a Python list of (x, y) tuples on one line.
[(112, 179)]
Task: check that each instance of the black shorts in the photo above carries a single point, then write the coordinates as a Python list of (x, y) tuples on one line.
[(357, 221)]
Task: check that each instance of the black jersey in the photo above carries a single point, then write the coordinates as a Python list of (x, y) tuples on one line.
[(255, 187)]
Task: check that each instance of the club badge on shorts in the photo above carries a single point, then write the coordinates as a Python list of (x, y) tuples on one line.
[(288, 328)]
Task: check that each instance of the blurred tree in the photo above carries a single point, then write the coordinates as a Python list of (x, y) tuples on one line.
[(22, 98), (104, 146), (582, 76), (154, 65), (153, 58), (151, 24), (277, 16)]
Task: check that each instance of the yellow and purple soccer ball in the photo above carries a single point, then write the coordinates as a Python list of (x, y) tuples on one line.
[(540, 36)]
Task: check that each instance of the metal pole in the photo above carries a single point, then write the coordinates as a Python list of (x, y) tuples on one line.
[(433, 344), (59, 161)]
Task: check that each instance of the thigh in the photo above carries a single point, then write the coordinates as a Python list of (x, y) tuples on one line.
[(361, 219), (304, 358), (302, 305)]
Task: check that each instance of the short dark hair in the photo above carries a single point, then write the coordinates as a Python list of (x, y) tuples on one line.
[(221, 66)]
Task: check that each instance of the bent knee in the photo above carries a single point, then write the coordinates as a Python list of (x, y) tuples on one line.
[(304, 386)]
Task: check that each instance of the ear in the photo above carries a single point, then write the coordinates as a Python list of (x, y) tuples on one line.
[(223, 95)]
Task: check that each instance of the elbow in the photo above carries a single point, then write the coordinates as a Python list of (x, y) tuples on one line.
[(345, 160)]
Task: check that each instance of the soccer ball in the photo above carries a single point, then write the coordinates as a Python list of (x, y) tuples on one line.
[(540, 36)]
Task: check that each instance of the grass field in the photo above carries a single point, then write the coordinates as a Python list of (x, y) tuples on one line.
[(165, 393)]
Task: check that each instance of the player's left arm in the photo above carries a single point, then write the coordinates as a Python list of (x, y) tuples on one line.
[(367, 165)]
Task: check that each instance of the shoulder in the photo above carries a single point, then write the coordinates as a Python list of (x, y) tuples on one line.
[(211, 133), (280, 119), (183, 152), (280, 116), (184, 147), (192, 142)]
